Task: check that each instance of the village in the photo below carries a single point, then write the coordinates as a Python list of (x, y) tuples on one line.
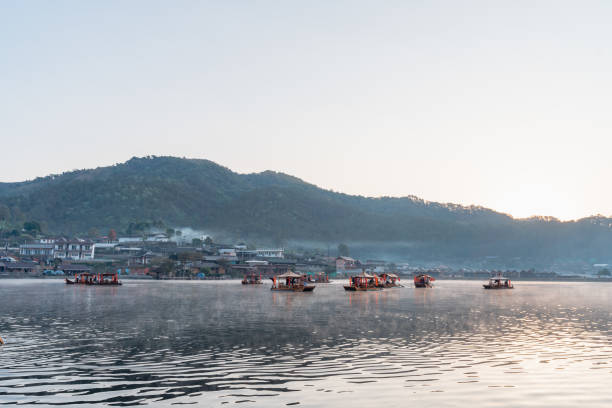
[(161, 256)]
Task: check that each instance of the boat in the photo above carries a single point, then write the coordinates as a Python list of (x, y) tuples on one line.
[(391, 280), (319, 277), (423, 281), (252, 279), (363, 282), (103, 279), (499, 283), (290, 282)]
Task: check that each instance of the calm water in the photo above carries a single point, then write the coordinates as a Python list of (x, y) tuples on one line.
[(219, 343)]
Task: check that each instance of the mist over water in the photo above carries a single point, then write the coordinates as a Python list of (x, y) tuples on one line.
[(220, 343)]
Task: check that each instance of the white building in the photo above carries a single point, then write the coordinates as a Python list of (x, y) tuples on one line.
[(61, 248), (37, 249), (270, 253), (158, 238), (74, 249)]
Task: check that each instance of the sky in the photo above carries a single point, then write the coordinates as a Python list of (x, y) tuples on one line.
[(500, 104)]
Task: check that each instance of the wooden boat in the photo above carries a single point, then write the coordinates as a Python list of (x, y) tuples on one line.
[(499, 283), (390, 280), (320, 277), (423, 281), (363, 282), (102, 279), (291, 282), (252, 279)]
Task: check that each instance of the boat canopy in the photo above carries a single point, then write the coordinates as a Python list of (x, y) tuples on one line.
[(365, 275), (289, 275), (391, 275)]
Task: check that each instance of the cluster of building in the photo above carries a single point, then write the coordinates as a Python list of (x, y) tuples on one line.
[(140, 257)]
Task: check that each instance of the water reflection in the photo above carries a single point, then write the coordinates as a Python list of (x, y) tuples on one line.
[(214, 343)]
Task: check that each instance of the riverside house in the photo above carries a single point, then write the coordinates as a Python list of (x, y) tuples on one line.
[(62, 248), (345, 263), (37, 250), (8, 268), (75, 249)]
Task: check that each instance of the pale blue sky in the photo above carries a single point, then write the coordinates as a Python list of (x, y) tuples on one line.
[(501, 104)]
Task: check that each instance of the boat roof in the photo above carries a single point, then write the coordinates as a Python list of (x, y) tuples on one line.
[(391, 275), (365, 275), (289, 275)]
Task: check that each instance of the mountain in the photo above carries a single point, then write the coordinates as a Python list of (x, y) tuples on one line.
[(275, 207)]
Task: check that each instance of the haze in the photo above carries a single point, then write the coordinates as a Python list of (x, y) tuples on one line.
[(500, 104)]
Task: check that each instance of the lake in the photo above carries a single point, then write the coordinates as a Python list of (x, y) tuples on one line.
[(219, 343)]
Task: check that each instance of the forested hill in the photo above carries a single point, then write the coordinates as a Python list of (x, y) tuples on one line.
[(201, 194)]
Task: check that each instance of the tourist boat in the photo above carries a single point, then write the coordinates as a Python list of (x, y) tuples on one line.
[(95, 279), (363, 282), (320, 277), (291, 282), (423, 281), (390, 280), (252, 279), (499, 283)]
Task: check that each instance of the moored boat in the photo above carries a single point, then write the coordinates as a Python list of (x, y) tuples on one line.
[(252, 279), (103, 279), (499, 283), (290, 282), (363, 282), (319, 277), (423, 281), (390, 280)]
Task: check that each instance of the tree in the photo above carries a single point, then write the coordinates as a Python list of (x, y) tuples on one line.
[(170, 232), (208, 241), (112, 235), (343, 250), (164, 267), (5, 213), (604, 272), (32, 227), (92, 233), (196, 242)]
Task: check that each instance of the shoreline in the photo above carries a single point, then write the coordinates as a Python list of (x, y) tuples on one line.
[(409, 278)]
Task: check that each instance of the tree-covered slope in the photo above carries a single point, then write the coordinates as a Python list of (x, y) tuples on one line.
[(202, 194)]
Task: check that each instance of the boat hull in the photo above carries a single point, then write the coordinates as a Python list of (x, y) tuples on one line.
[(359, 289), (294, 289), (69, 282), (497, 287)]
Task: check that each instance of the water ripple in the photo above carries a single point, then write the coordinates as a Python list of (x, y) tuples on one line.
[(187, 343)]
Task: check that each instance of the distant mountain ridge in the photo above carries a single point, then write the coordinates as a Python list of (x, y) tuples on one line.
[(278, 207)]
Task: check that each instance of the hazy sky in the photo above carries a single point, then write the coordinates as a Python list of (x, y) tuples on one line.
[(506, 104)]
